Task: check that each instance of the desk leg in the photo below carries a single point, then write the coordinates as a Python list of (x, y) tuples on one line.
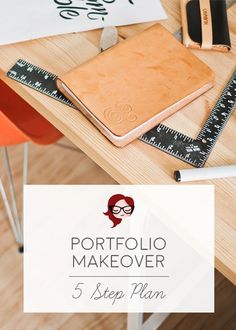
[(134, 321), (155, 321)]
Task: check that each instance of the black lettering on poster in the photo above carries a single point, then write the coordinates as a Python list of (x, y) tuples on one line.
[(94, 9)]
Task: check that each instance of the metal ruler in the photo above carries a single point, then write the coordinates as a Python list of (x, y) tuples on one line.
[(41, 80), (196, 151), (193, 151)]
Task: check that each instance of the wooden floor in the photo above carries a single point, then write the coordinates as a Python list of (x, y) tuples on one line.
[(59, 165)]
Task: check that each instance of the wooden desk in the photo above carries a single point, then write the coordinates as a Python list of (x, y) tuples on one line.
[(139, 163)]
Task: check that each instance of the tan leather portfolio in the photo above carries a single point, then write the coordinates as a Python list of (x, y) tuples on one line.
[(128, 89)]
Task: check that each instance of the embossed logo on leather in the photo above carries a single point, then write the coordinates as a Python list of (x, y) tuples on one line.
[(205, 16), (120, 113)]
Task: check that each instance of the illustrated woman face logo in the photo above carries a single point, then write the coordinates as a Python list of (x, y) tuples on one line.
[(119, 207)]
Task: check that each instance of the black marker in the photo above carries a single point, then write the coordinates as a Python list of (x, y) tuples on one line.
[(205, 173)]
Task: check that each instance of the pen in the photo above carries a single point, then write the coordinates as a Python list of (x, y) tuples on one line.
[(205, 173)]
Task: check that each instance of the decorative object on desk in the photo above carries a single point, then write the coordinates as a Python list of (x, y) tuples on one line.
[(205, 24), (109, 37), (27, 19), (132, 87), (161, 137)]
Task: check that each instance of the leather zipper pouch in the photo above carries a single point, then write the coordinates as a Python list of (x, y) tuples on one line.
[(128, 89), (205, 24)]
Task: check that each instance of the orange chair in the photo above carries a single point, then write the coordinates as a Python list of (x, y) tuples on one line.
[(20, 123)]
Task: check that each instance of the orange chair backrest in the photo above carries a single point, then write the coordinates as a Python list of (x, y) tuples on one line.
[(19, 122)]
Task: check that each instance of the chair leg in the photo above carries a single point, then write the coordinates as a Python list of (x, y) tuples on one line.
[(25, 164), (13, 213), (9, 213), (24, 182), (155, 321), (134, 321), (12, 193)]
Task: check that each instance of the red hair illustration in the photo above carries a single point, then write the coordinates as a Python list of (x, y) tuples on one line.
[(119, 207)]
